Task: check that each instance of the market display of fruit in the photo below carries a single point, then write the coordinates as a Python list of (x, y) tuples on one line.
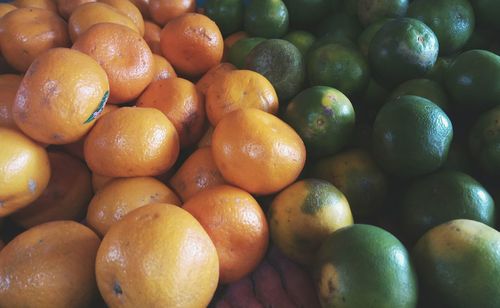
[(249, 153)]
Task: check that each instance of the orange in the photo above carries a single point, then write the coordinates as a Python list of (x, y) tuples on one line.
[(236, 224), (143, 6), (130, 142), (26, 33), (231, 40), (5, 8), (240, 89), (197, 173), (50, 265), (66, 197), (24, 171), (2, 245), (162, 68), (179, 100), (99, 181), (213, 76), (66, 7), (163, 11), (206, 139), (61, 95), (192, 43), (49, 5), (121, 196), (88, 14), (130, 10), (257, 151), (123, 54), (157, 256), (9, 84), (152, 36)]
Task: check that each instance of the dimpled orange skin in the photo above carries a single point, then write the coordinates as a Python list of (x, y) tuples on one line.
[(152, 36), (132, 141), (123, 54), (88, 14), (213, 76), (60, 96), (179, 100), (236, 224), (66, 197), (40, 4), (9, 84), (240, 89), (157, 256), (130, 10), (5, 8), (28, 32), (24, 171), (163, 11), (257, 151), (162, 68), (50, 265), (121, 196), (192, 43), (196, 174), (66, 7)]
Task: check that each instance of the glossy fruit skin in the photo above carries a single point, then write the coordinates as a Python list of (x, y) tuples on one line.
[(451, 20), (444, 196), (453, 262), (484, 141), (323, 117), (266, 18), (426, 88), (363, 265), (471, 80), (227, 14), (281, 63), (162, 11), (366, 37), (371, 11), (411, 136), (239, 51), (128, 9), (303, 40), (403, 49)]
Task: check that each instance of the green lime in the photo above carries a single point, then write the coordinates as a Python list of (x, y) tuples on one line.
[(370, 11), (227, 14), (365, 38), (304, 13), (340, 25), (323, 117), (437, 72), (303, 40), (266, 18), (484, 141), (425, 88), (411, 136), (240, 50)]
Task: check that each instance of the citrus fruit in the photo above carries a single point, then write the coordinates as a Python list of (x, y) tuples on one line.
[(9, 83), (196, 174), (66, 7), (121, 196), (303, 215), (266, 18), (152, 36), (487, 12), (99, 181), (56, 260), (239, 89), (239, 50), (47, 5), (25, 171), (363, 265), (323, 117), (5, 8), (128, 9), (66, 197), (484, 141), (213, 76), (437, 72), (60, 110), (162, 252), (303, 40), (370, 11), (426, 88), (338, 66), (281, 63), (411, 136), (132, 141), (341, 26), (164, 11), (257, 151), (241, 240), (366, 37), (404, 48), (192, 43), (304, 13), (162, 68), (227, 14), (230, 40), (355, 173), (453, 262)]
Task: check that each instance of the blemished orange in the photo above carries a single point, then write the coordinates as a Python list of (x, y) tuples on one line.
[(152, 36), (49, 5), (24, 171), (123, 54), (231, 40), (132, 141), (50, 265), (206, 139), (196, 174), (240, 89), (121, 196), (163, 11), (60, 96), (213, 76), (130, 10), (236, 224), (181, 102), (162, 68), (66, 197), (28, 32), (88, 14), (9, 83), (99, 181), (257, 151), (157, 256), (5, 8), (192, 43), (66, 7)]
